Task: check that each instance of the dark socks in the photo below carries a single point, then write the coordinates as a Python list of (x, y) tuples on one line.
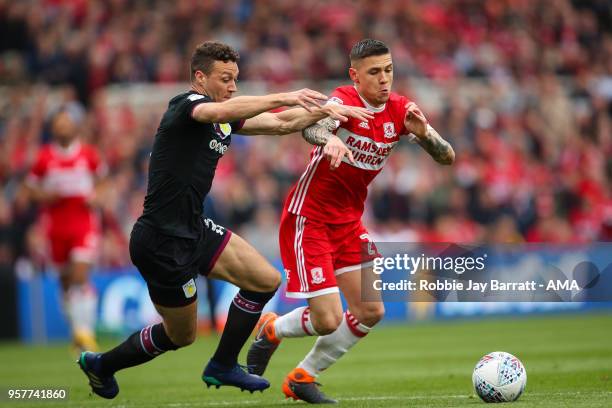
[(244, 312), (140, 347)]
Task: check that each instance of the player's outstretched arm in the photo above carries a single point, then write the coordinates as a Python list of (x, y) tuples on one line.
[(244, 107), (436, 146), (427, 137), (320, 134), (294, 120)]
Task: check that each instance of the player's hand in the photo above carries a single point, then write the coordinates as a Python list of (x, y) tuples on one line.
[(306, 98), (415, 121), (335, 150), (340, 112)]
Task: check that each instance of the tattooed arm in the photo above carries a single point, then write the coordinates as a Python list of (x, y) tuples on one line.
[(426, 136), (436, 146), (320, 134)]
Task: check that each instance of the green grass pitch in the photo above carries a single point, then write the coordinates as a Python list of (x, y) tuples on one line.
[(568, 360)]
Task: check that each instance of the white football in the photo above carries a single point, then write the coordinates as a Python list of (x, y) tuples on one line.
[(499, 377)]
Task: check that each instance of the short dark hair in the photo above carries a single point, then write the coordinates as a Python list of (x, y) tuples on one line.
[(368, 48), (207, 53)]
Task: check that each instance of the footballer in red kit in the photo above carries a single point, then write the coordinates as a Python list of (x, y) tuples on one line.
[(322, 214), (324, 245), (62, 180)]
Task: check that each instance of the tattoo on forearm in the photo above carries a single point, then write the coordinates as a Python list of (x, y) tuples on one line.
[(316, 135), (319, 133), (437, 147)]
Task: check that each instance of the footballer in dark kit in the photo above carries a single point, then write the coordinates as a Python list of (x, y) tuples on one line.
[(172, 242)]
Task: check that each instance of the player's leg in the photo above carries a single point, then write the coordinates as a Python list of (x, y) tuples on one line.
[(308, 264), (322, 318), (306, 256), (81, 297), (73, 255), (349, 329), (353, 264), (240, 264), (81, 301), (172, 290), (356, 323), (178, 329)]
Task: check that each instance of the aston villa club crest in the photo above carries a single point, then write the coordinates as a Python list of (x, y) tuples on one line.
[(190, 288), (389, 129), (317, 275), (223, 129)]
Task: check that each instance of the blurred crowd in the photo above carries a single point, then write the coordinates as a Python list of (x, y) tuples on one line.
[(524, 95)]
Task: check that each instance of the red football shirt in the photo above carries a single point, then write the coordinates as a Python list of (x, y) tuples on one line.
[(338, 196), (70, 173)]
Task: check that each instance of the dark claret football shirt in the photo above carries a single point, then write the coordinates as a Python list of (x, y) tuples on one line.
[(182, 167)]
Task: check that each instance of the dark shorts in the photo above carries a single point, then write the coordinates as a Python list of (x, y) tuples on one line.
[(170, 265)]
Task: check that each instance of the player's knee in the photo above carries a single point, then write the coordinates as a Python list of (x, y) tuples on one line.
[(273, 282), (79, 273), (371, 314), (65, 283), (270, 282), (276, 280), (326, 323)]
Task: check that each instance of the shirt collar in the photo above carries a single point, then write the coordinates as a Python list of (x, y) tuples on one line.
[(69, 150), (369, 107)]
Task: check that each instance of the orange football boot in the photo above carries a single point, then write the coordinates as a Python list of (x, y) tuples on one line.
[(264, 345), (300, 385)]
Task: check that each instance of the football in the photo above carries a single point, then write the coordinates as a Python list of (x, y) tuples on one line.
[(499, 377)]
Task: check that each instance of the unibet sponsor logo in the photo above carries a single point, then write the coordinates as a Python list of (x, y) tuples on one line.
[(218, 146)]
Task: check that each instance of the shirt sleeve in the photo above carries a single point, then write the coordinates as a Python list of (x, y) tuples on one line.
[(237, 125), (38, 170), (402, 111), (97, 166), (337, 97), (186, 105)]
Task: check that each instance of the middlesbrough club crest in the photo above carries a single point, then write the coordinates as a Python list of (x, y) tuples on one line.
[(389, 129), (317, 275)]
